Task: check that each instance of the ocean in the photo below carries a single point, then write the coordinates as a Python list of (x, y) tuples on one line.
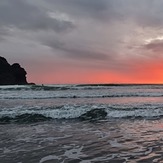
[(81, 124)]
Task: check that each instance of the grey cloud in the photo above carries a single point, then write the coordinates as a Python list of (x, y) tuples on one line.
[(4, 31), (97, 9), (73, 51), (47, 24), (53, 43), (32, 15), (23, 15), (155, 46), (145, 12), (85, 54), (93, 5)]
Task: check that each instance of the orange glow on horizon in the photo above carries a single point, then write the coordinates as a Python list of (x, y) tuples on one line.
[(140, 72)]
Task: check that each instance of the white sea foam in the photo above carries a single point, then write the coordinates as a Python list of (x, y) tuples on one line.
[(135, 113), (30, 94), (74, 153), (75, 111), (115, 144), (14, 86), (74, 91), (49, 158)]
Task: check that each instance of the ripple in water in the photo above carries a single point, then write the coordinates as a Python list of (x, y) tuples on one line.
[(82, 141)]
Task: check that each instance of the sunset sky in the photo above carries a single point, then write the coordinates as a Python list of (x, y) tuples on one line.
[(84, 41)]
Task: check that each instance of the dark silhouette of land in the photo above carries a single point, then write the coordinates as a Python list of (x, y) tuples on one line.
[(11, 74)]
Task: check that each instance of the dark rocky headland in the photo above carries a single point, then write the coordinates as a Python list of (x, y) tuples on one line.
[(11, 74)]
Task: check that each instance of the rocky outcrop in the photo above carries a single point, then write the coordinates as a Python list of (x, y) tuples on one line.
[(11, 74)]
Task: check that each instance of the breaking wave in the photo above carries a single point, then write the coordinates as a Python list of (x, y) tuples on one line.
[(79, 87), (27, 95), (79, 91), (85, 112)]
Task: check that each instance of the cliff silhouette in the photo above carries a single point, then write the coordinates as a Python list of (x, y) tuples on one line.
[(11, 74)]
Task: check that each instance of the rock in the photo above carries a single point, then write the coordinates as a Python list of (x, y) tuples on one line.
[(19, 73), (11, 74), (95, 114)]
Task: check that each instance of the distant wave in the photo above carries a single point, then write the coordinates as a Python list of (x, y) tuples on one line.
[(72, 96), (85, 112), (79, 86)]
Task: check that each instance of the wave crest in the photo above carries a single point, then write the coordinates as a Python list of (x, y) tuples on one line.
[(86, 112)]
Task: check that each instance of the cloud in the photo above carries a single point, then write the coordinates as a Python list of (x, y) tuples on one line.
[(23, 15), (145, 12), (104, 34), (92, 5), (80, 8), (74, 51), (4, 32), (30, 15), (155, 46)]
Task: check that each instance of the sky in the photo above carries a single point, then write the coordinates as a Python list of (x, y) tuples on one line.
[(84, 41)]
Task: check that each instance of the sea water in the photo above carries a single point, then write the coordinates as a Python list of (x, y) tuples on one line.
[(81, 123)]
